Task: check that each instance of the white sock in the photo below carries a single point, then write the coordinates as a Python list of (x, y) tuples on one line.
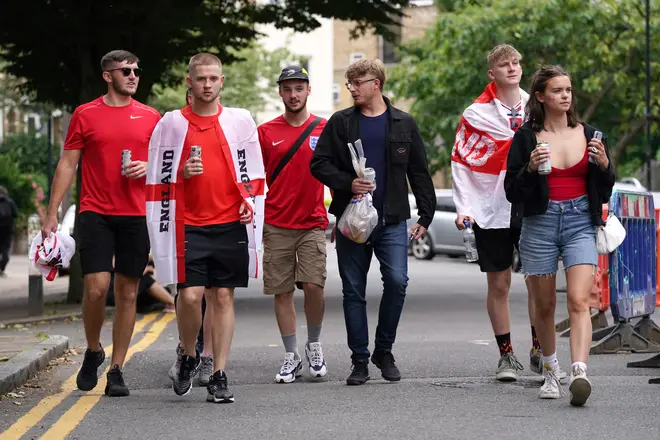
[(581, 365), (550, 362)]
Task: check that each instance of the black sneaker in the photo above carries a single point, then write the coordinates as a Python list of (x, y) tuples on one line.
[(218, 391), (116, 386), (360, 374), (388, 369), (182, 382), (88, 375)]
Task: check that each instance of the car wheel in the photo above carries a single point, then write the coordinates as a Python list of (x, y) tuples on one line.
[(422, 248)]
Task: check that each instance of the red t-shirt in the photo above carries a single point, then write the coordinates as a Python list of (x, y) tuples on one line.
[(102, 132), (295, 199), (212, 198)]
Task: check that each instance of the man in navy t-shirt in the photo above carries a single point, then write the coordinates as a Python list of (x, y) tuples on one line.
[(394, 149)]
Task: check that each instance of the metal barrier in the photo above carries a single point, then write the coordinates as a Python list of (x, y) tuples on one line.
[(653, 362), (632, 278)]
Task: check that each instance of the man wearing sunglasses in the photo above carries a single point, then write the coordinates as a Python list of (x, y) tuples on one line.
[(112, 217)]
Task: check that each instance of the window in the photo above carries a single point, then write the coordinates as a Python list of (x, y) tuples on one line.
[(445, 204), (335, 93), (355, 56), (388, 46)]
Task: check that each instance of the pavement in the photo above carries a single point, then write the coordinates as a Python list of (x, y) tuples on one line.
[(14, 293), (445, 349), (25, 351)]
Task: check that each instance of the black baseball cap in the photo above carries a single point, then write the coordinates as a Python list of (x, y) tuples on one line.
[(293, 72)]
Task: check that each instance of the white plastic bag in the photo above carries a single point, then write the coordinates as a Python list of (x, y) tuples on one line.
[(610, 236), (51, 254), (360, 217)]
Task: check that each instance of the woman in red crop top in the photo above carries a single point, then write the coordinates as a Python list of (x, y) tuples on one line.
[(561, 211)]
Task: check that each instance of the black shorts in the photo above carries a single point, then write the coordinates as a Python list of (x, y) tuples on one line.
[(495, 247), (216, 256), (104, 236)]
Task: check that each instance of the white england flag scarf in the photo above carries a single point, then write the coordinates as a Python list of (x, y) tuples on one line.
[(478, 160), (165, 188)]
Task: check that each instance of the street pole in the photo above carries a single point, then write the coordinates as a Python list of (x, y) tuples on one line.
[(648, 99), (35, 280)]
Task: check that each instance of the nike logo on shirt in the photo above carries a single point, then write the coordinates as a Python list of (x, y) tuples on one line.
[(135, 117), (277, 143)]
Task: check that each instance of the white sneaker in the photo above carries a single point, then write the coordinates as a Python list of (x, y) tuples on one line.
[(551, 388), (580, 386), (317, 367), (291, 369)]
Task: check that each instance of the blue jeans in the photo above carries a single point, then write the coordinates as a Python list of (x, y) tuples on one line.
[(566, 229), (390, 244)]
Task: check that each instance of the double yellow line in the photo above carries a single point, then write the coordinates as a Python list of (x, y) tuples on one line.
[(74, 415)]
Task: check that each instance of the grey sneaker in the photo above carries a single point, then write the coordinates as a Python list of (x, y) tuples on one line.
[(508, 367), (177, 363), (205, 370), (536, 365), (580, 386), (535, 362)]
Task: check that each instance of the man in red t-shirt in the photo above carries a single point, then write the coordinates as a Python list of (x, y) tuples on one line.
[(216, 239), (295, 223), (112, 217)]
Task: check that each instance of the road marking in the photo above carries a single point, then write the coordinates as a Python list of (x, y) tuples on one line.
[(480, 341), (74, 415), (46, 405)]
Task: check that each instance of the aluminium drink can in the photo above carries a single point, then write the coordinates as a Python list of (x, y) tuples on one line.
[(544, 167), (125, 161), (196, 151)]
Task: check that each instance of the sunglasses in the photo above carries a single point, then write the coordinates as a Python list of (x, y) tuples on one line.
[(126, 71)]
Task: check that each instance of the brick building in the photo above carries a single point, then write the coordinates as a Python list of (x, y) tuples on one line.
[(417, 19)]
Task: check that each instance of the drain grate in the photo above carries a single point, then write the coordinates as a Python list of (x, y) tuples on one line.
[(523, 382)]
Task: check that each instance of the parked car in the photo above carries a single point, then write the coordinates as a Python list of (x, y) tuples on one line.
[(442, 236)]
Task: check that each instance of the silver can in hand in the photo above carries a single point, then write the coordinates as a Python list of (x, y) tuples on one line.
[(544, 167), (370, 174), (125, 161), (598, 136)]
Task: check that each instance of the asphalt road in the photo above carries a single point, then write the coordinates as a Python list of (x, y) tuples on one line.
[(445, 349)]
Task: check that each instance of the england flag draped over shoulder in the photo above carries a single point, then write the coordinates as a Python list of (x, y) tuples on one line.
[(478, 161)]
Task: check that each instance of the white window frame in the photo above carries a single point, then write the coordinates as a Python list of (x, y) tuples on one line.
[(355, 56), (336, 93)]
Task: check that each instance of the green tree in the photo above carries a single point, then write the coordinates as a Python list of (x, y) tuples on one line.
[(601, 44), (244, 80), (22, 188), (29, 152), (57, 45)]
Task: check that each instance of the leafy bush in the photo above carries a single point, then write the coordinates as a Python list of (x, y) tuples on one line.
[(29, 152), (25, 189)]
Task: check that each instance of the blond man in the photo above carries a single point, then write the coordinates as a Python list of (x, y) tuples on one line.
[(482, 143), (395, 150)]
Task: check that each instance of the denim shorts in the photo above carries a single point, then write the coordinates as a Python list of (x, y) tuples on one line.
[(564, 229)]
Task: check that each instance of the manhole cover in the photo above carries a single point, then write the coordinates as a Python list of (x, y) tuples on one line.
[(523, 382)]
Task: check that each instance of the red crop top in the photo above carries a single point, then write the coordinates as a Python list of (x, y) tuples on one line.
[(569, 183)]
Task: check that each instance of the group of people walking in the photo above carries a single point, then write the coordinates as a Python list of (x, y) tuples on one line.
[(191, 188)]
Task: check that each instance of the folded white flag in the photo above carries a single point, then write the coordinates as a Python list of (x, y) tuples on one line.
[(55, 252)]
